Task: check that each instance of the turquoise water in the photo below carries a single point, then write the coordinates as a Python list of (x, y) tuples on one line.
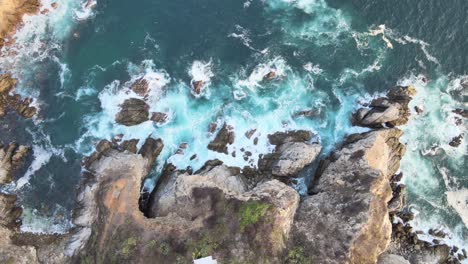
[(330, 57)]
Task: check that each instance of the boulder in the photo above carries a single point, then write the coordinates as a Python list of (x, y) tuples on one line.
[(280, 138), (159, 118), (133, 112), (392, 259), (456, 141), (289, 159), (346, 219), (225, 137), (391, 110)]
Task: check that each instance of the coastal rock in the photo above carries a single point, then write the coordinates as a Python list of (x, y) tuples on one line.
[(133, 112), (159, 118), (225, 137), (392, 259), (11, 15), (346, 219), (9, 212), (10, 158), (9, 101), (289, 159), (210, 213), (456, 141), (391, 110), (197, 87), (140, 87), (292, 154), (461, 112)]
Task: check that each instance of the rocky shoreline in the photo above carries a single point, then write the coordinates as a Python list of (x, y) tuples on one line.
[(355, 211)]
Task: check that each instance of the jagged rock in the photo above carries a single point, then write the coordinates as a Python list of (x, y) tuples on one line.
[(159, 118), (140, 87), (10, 158), (225, 136), (391, 110), (456, 141), (13, 101), (130, 145), (197, 87), (346, 221), (11, 15), (133, 112), (289, 159), (461, 112)]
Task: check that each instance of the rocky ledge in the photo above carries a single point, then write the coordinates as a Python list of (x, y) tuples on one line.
[(11, 16)]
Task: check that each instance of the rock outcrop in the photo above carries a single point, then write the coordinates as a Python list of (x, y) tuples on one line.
[(346, 219), (133, 112), (10, 101), (11, 157), (141, 87), (292, 154), (225, 137), (391, 110)]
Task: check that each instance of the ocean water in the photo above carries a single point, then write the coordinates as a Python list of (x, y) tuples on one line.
[(330, 57)]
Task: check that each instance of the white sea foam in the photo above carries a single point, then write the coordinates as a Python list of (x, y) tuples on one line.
[(37, 223), (86, 10), (201, 71)]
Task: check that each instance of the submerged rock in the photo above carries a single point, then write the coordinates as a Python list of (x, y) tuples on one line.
[(133, 112), (225, 137), (456, 141), (197, 87), (346, 220), (391, 110)]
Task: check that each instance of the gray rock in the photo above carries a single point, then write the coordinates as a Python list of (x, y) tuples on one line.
[(391, 110), (289, 159), (225, 137), (392, 259)]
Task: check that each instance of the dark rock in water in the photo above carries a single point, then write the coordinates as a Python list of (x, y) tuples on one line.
[(418, 110), (311, 113), (280, 138), (133, 112), (456, 141), (391, 110), (250, 133), (197, 87), (159, 118), (226, 136), (10, 158), (194, 156), (270, 76), (140, 87), (437, 233), (13, 102), (461, 112)]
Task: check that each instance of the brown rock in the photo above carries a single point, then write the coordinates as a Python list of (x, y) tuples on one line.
[(456, 141), (133, 112), (280, 138), (197, 87), (140, 87), (159, 118), (270, 76), (13, 101), (10, 158)]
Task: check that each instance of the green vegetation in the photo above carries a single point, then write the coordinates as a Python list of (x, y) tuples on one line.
[(152, 243), (204, 247), (297, 256), (251, 212), (165, 248), (128, 246)]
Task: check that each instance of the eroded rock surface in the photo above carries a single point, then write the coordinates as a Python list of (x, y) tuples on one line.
[(225, 137), (346, 220), (391, 110)]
